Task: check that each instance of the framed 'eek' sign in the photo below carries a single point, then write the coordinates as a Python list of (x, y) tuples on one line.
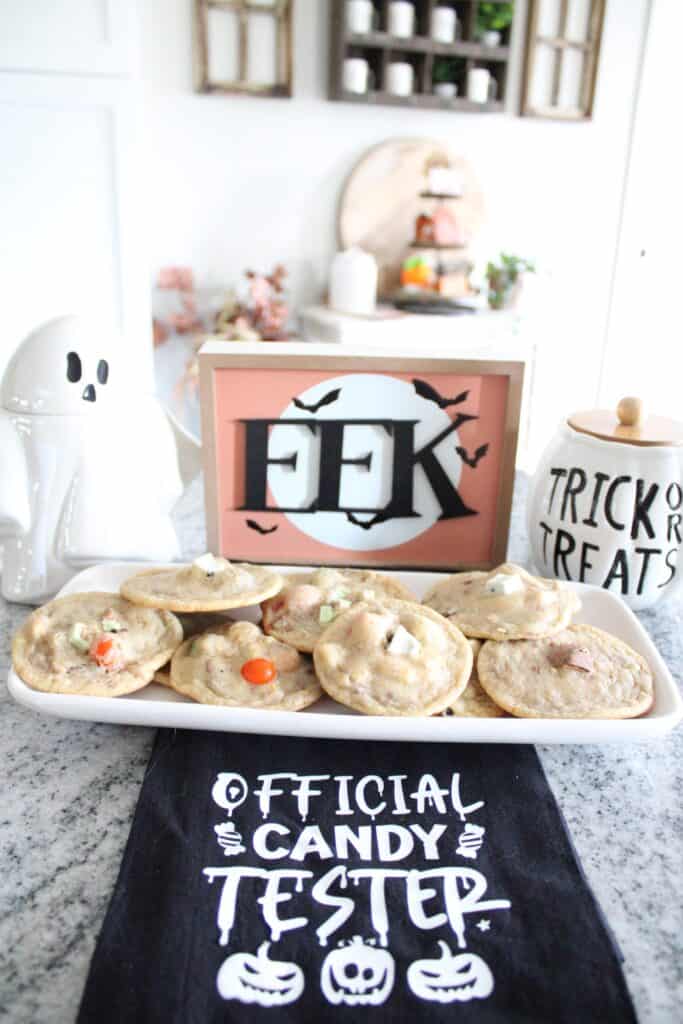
[(316, 455)]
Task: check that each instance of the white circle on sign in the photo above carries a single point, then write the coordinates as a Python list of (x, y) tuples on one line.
[(367, 485)]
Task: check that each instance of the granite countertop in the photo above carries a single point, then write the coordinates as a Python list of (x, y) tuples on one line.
[(70, 790)]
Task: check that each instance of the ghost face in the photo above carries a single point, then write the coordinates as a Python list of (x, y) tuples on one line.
[(74, 374), (65, 368)]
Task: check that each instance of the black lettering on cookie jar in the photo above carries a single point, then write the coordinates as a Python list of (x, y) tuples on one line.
[(606, 503)]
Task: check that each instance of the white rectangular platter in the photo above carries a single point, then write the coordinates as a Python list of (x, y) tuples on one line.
[(158, 706)]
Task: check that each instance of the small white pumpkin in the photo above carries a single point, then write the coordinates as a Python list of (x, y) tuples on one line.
[(358, 974), (258, 979), (450, 979)]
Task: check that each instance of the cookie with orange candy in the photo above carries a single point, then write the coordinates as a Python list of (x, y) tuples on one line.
[(236, 665), (94, 644)]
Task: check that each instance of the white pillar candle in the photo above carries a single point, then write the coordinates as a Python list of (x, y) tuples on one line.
[(399, 78), (353, 282), (401, 22), (481, 86), (444, 20), (356, 74), (359, 16)]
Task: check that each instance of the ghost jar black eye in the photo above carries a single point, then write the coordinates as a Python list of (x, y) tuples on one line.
[(103, 371), (74, 370)]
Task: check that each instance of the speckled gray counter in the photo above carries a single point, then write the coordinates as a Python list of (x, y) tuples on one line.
[(69, 790)]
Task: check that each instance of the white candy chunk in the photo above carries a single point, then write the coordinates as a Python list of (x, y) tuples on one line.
[(76, 638), (504, 583), (209, 564), (326, 614), (403, 642), (368, 595)]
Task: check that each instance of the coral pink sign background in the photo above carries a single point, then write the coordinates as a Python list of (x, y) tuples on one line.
[(251, 394)]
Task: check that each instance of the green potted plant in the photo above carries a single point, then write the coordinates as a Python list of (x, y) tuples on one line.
[(504, 280), (492, 20), (447, 71)]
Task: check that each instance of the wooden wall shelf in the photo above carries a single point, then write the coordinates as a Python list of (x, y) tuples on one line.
[(379, 48), (421, 102), (423, 44), (437, 246)]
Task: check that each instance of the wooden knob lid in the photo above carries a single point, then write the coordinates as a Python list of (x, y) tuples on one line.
[(630, 412), (630, 425)]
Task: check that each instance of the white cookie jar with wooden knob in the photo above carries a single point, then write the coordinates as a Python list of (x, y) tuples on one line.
[(606, 503)]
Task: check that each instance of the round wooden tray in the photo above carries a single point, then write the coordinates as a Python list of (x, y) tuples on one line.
[(381, 201)]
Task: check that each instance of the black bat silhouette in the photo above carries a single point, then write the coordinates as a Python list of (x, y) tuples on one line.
[(253, 525), (381, 517), (425, 390), (472, 461), (327, 399)]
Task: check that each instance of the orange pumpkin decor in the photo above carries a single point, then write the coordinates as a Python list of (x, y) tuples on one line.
[(418, 273)]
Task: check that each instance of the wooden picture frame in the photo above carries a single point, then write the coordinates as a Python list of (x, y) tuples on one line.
[(245, 11), (318, 456), (558, 44)]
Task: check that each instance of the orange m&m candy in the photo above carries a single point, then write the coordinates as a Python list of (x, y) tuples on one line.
[(259, 671), (104, 653)]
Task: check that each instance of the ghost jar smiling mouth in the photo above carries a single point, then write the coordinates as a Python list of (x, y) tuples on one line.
[(74, 374)]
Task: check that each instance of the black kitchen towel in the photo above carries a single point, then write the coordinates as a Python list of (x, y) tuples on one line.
[(277, 879)]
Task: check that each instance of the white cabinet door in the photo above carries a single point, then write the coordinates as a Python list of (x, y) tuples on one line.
[(644, 354), (72, 225), (67, 36)]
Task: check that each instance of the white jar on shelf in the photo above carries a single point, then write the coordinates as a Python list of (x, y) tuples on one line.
[(353, 282), (443, 24), (401, 19), (400, 78), (482, 87), (356, 75), (359, 15)]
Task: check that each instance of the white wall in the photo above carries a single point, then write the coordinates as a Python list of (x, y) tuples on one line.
[(645, 337), (236, 182), (72, 232)]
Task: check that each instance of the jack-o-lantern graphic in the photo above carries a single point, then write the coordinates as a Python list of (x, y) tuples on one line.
[(450, 979), (258, 979), (357, 974)]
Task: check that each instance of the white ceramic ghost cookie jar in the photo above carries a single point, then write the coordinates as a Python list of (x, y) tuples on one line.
[(606, 503), (92, 465)]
